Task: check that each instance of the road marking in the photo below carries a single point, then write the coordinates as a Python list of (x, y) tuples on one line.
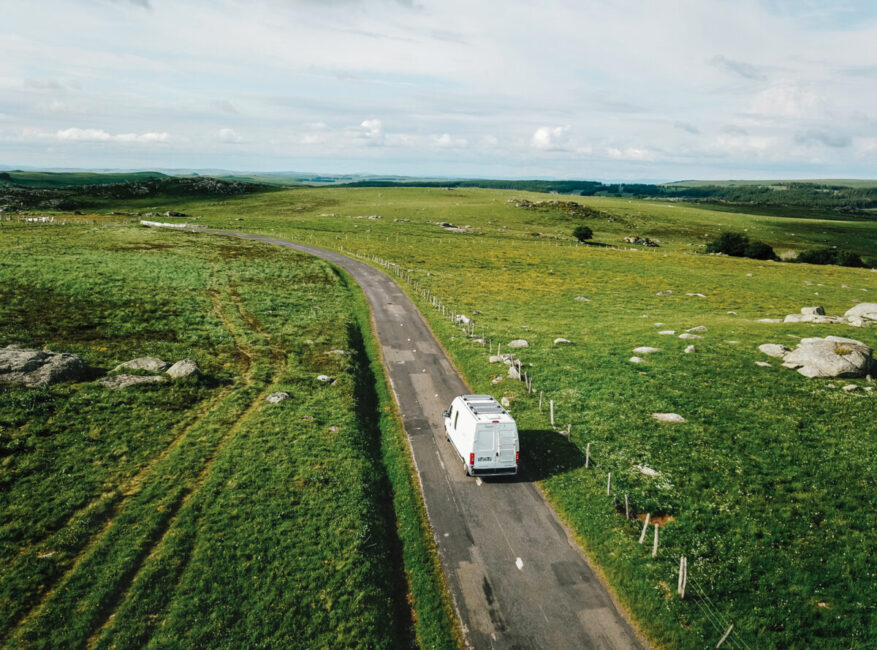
[(478, 482), (520, 564), (440, 458)]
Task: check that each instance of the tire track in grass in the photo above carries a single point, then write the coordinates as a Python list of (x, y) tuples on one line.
[(124, 498), (183, 549)]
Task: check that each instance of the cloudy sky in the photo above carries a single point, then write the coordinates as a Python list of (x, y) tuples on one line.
[(608, 89)]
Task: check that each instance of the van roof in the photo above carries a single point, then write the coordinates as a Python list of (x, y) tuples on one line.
[(486, 408)]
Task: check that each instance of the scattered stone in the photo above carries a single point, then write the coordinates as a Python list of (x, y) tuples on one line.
[(831, 385), (462, 319), (732, 342), (849, 388), (479, 341), (334, 428), (863, 314), (30, 367), (640, 241), (813, 311), (505, 402), (731, 313), (697, 295), (514, 373), (184, 368), (668, 417), (276, 398), (769, 320), (869, 388), (832, 356), (338, 352), (637, 360), (124, 381), (665, 293), (687, 336), (496, 379), (645, 349), (519, 343), (648, 471), (698, 329), (561, 340), (582, 299), (326, 379), (152, 364), (690, 349), (763, 364), (774, 349), (667, 332), (748, 275)]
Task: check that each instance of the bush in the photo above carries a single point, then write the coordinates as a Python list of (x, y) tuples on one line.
[(729, 243), (759, 251), (582, 233), (849, 258)]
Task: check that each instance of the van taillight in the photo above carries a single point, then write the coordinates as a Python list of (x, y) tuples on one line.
[(517, 457), (471, 460), (495, 422)]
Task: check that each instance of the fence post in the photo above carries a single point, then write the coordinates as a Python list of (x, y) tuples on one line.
[(655, 544), (642, 535), (588, 455), (551, 405), (727, 634), (608, 482), (540, 401), (626, 506)]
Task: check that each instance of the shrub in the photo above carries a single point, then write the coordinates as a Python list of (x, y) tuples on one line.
[(759, 251), (849, 258), (830, 256), (729, 243), (582, 233)]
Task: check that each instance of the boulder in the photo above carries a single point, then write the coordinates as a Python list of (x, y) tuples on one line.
[(690, 349), (505, 402), (668, 417), (582, 299), (496, 380), (665, 293), (667, 332), (514, 373), (849, 388), (124, 381), (687, 336), (31, 367), (763, 364), (645, 349), (774, 349), (832, 356), (862, 314), (559, 341), (326, 379), (700, 329), (769, 320), (152, 364), (184, 368), (519, 343), (637, 360), (276, 398), (813, 311)]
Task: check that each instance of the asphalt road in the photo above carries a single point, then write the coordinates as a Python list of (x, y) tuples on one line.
[(516, 578)]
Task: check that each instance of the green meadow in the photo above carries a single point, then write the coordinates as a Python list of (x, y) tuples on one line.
[(194, 513), (768, 488)]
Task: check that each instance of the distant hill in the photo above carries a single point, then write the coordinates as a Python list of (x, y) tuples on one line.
[(830, 182), (70, 179)]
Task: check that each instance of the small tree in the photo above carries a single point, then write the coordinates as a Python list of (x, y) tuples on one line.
[(817, 256), (729, 243), (849, 258), (582, 233), (758, 250)]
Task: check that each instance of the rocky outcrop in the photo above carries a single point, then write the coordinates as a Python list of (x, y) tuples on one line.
[(519, 343), (862, 315), (124, 381), (832, 356), (276, 398), (31, 367), (184, 368), (150, 364)]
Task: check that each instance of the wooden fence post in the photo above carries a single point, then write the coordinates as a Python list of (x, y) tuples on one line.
[(608, 482), (727, 634), (626, 506), (655, 543), (540, 401), (551, 406), (642, 535), (588, 455)]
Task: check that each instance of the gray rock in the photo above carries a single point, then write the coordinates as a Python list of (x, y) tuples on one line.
[(832, 356), (505, 402), (463, 319), (774, 349), (687, 336), (690, 349), (152, 364), (849, 388), (645, 349), (561, 340), (519, 343), (665, 293), (276, 398), (700, 329), (582, 299), (513, 373), (813, 311), (697, 295), (637, 360), (496, 380), (763, 364), (863, 314), (124, 381), (31, 367), (479, 341), (338, 352), (769, 320), (184, 368), (326, 379), (648, 471), (667, 332), (668, 417)]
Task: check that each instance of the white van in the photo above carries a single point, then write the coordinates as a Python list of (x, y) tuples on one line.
[(484, 434)]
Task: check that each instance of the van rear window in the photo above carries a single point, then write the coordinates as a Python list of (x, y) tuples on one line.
[(456, 417)]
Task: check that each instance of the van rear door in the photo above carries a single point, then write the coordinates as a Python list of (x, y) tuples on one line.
[(507, 439), (485, 447)]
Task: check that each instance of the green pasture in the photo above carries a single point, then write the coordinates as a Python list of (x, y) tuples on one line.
[(768, 488), (194, 513)]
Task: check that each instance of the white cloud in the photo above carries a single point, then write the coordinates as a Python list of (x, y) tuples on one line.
[(99, 135), (630, 153), (372, 129), (551, 138), (230, 136), (448, 141), (787, 98)]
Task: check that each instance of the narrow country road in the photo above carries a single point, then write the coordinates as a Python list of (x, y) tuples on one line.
[(516, 578)]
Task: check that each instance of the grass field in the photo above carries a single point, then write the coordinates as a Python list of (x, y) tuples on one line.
[(195, 514), (768, 489)]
